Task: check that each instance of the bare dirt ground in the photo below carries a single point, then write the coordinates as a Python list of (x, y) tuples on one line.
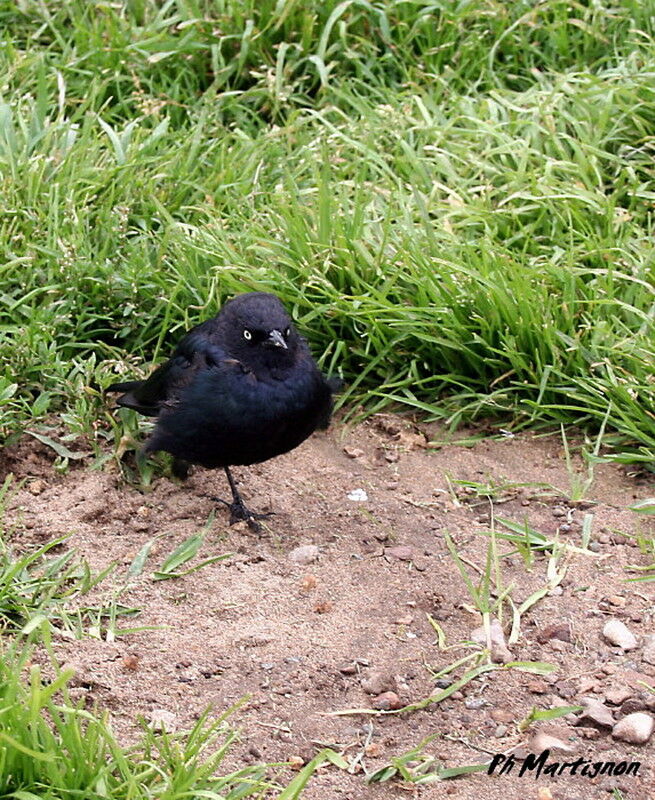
[(306, 639)]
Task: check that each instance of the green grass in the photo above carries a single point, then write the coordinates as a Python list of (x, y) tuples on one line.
[(455, 200), (52, 747)]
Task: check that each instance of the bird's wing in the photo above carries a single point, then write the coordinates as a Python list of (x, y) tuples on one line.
[(193, 353)]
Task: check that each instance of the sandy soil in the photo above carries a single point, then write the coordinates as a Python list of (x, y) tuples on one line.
[(306, 639)]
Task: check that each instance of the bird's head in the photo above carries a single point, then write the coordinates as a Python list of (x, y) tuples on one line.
[(258, 330)]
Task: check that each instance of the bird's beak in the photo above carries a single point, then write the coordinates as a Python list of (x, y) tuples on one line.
[(275, 339)]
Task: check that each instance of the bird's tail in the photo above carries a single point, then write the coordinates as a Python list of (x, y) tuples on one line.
[(127, 386), (132, 399)]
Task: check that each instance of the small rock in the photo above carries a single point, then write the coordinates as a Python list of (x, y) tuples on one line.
[(649, 649), (304, 554), (475, 702), (358, 496), (558, 630), (499, 651), (617, 600), (586, 685), (353, 452), (538, 687), (130, 662), (635, 728), (387, 701), (542, 741), (348, 668), (377, 682), (401, 552), (618, 694), (501, 715), (556, 591), (160, 719), (37, 487), (589, 733), (595, 712), (544, 793), (617, 633), (308, 583), (500, 731), (631, 705), (404, 619), (558, 511)]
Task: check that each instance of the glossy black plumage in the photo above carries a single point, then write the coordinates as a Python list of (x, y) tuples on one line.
[(240, 388)]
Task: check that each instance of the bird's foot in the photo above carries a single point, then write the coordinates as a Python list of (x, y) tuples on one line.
[(239, 512)]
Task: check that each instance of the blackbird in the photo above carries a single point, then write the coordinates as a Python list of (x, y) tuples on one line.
[(240, 388)]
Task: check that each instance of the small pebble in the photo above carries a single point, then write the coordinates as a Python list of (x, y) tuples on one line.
[(631, 705), (500, 653), (635, 728), (388, 701), (558, 630), (304, 554), (542, 741), (618, 694), (401, 552), (595, 712), (358, 496), (353, 452), (376, 682), (617, 633), (501, 715), (649, 649)]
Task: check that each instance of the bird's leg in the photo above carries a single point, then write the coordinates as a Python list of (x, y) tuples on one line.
[(238, 509)]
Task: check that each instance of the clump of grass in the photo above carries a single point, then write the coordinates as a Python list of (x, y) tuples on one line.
[(35, 586), (51, 747)]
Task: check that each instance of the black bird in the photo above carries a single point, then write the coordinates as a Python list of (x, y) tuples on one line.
[(240, 388)]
